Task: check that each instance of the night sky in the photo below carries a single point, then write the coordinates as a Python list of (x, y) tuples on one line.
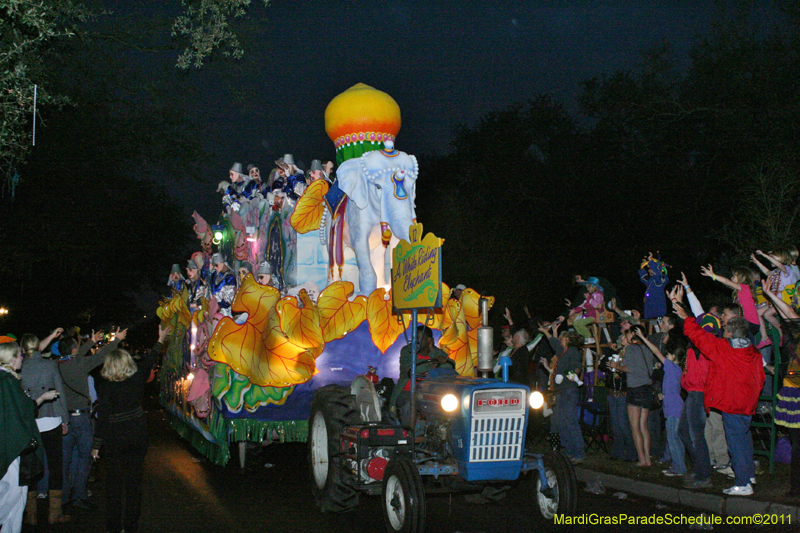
[(445, 63)]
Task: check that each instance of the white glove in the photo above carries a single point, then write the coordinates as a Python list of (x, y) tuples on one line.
[(575, 379)]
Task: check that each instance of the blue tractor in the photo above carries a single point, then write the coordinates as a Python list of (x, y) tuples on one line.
[(469, 433)]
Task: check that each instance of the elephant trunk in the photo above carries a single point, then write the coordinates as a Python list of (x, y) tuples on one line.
[(386, 234)]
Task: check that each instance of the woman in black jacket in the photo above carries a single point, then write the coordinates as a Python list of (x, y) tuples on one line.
[(122, 431)]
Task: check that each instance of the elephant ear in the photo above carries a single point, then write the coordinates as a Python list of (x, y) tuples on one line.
[(354, 185)]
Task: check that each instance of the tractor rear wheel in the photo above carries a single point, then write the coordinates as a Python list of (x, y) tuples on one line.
[(332, 408)]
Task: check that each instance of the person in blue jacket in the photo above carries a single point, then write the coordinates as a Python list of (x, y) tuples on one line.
[(653, 274)]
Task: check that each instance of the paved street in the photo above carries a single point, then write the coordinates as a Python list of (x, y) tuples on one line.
[(187, 494)]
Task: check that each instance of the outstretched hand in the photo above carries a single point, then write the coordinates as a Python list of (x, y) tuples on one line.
[(683, 281), (162, 333), (679, 310), (676, 296), (121, 334), (676, 293), (707, 271), (96, 337)]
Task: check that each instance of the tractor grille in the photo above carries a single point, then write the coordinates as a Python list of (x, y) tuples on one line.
[(497, 429)]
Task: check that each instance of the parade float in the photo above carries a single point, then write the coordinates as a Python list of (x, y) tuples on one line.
[(244, 367)]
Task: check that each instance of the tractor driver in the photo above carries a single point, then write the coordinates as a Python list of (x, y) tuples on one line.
[(428, 357)]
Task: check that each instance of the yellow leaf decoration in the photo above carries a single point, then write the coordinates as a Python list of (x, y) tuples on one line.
[(450, 310), (284, 362), (259, 349), (238, 346), (173, 312), (201, 313), (473, 346), (255, 300), (455, 340), (383, 325), (472, 311), (301, 325), (337, 314), (307, 213)]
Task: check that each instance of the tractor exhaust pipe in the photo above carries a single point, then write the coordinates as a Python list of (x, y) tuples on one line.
[(485, 342)]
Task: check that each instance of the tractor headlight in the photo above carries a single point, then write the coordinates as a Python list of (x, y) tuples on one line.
[(449, 402), (537, 399)]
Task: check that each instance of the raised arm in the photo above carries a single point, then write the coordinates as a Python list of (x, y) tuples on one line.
[(650, 345), (764, 270), (694, 302), (774, 260), (786, 310), (44, 343), (709, 273)]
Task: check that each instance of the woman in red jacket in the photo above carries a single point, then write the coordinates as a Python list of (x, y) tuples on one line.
[(735, 379)]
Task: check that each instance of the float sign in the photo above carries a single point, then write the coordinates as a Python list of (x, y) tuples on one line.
[(417, 271)]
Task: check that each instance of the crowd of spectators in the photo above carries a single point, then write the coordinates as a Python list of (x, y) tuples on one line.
[(67, 398), (694, 368), (690, 368)]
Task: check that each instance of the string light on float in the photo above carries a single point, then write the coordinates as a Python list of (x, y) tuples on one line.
[(3, 311), (193, 347)]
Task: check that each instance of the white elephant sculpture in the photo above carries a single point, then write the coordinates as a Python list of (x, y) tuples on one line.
[(381, 185)]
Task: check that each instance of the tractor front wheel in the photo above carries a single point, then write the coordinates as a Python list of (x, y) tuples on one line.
[(403, 497)]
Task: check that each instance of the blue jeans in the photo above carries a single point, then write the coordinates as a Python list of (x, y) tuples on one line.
[(740, 447), (654, 424), (691, 429), (77, 457), (623, 447), (677, 452), (565, 418)]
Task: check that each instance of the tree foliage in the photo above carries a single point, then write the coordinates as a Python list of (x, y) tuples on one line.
[(27, 27), (207, 26)]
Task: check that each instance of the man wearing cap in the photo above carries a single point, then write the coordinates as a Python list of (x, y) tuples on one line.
[(457, 290), (264, 275), (315, 172), (292, 181), (240, 188), (175, 280), (245, 268), (223, 284), (254, 174), (74, 367), (197, 287)]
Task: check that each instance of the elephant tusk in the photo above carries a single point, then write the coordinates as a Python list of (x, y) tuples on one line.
[(386, 234)]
